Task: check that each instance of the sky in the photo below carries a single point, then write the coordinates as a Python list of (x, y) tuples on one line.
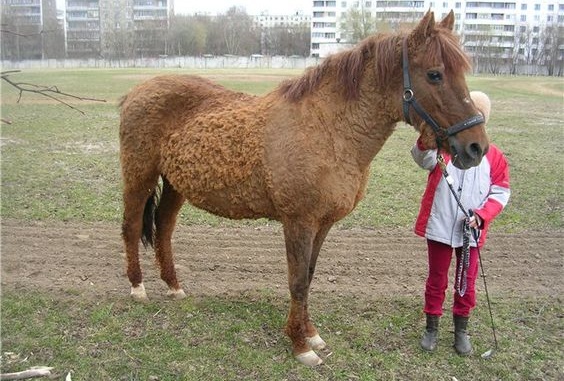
[(253, 7)]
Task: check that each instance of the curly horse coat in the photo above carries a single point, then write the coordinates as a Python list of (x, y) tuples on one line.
[(299, 155)]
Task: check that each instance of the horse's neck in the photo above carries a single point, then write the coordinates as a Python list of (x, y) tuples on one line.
[(364, 126), (367, 137), (366, 123)]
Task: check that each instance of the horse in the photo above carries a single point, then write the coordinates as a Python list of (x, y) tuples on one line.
[(299, 155)]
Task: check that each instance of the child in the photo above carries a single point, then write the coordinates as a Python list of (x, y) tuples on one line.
[(485, 190)]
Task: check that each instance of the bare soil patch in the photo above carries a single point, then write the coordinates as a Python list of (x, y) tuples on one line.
[(67, 259)]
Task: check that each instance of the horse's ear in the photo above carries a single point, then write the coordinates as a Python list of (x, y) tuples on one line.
[(448, 21), (425, 28)]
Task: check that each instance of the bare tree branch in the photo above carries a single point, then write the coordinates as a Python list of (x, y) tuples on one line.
[(46, 91)]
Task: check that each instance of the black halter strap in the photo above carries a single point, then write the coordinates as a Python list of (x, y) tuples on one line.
[(410, 101)]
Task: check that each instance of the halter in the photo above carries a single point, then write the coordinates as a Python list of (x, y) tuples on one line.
[(409, 100)]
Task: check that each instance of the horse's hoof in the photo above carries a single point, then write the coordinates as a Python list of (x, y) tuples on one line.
[(176, 294), (316, 342), (309, 358), (138, 293)]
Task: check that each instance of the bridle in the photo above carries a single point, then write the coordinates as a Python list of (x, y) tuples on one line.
[(409, 100)]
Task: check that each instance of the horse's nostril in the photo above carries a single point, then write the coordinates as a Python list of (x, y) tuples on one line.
[(474, 150)]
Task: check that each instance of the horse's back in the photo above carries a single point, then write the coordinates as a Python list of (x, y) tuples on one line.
[(161, 100)]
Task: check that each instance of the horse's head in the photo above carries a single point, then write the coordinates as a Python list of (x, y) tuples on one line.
[(436, 99)]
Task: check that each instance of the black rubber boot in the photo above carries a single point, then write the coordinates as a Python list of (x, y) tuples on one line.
[(461, 340), (429, 340)]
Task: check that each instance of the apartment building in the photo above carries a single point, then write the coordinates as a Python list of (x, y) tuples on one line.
[(266, 20), (82, 29), (29, 29), (508, 29), (117, 28)]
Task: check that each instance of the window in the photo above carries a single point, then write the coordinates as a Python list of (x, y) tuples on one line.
[(523, 18), (537, 7), (523, 7), (551, 7)]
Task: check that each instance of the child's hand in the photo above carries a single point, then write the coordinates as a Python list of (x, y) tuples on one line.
[(475, 221)]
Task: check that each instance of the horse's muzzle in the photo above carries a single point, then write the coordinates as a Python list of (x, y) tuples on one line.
[(466, 155)]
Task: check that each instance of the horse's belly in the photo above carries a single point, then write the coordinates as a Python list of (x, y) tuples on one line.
[(234, 204)]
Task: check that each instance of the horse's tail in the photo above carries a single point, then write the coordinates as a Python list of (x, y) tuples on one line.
[(149, 227)]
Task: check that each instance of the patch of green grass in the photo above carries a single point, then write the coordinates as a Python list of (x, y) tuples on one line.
[(60, 164), (219, 338)]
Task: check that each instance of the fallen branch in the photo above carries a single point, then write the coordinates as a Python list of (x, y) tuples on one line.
[(46, 91), (36, 371)]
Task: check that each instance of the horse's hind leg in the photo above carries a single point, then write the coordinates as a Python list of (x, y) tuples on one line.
[(165, 220), (134, 200)]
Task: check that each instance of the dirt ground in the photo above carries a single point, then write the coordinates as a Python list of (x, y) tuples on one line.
[(87, 259)]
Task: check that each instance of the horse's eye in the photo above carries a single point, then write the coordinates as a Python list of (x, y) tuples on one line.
[(435, 76)]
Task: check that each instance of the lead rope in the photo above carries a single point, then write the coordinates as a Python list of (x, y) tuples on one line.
[(464, 262)]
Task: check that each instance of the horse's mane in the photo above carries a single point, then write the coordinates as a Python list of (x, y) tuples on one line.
[(349, 64)]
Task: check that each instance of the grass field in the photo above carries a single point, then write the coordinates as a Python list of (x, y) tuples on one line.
[(60, 165)]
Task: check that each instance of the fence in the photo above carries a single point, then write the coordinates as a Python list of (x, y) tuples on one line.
[(235, 62), (204, 62)]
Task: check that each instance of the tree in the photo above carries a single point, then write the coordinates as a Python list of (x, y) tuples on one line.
[(550, 39), (357, 24), (150, 39), (188, 35), (237, 33), (286, 40), (118, 44)]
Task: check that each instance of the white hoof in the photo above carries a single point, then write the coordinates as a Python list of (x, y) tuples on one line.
[(309, 358), (138, 293), (176, 294), (316, 342)]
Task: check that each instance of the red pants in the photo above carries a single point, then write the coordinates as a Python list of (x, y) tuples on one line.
[(440, 256)]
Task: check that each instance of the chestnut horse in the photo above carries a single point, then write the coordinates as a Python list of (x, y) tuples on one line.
[(299, 155)]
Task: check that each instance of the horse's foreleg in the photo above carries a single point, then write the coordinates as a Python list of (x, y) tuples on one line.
[(299, 241), (313, 338), (165, 220)]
